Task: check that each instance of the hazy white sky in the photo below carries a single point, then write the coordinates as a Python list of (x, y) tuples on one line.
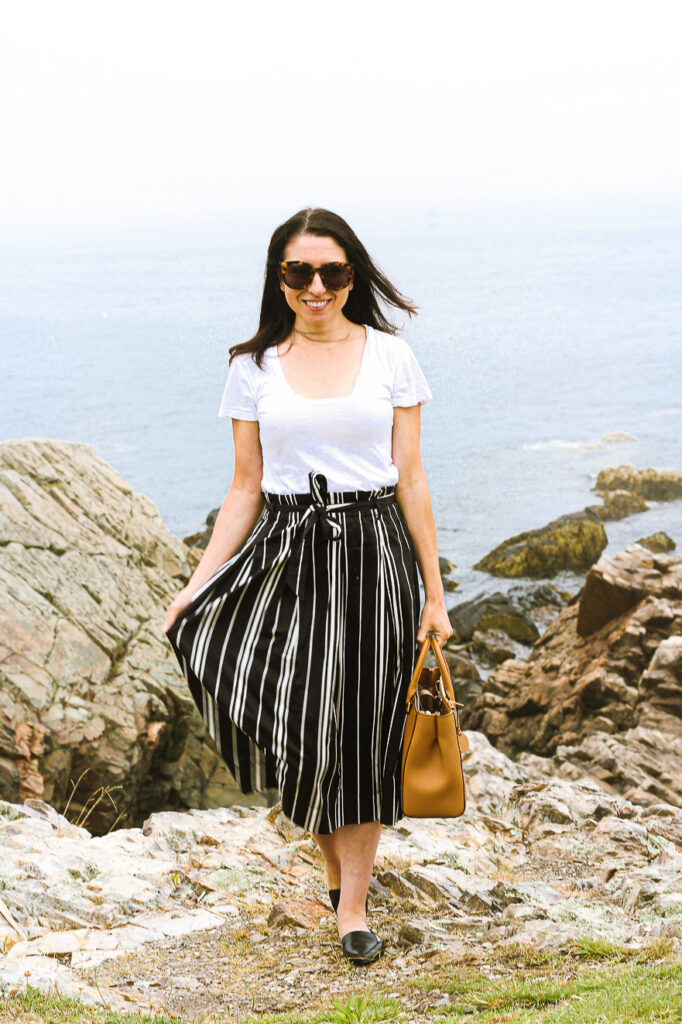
[(163, 109)]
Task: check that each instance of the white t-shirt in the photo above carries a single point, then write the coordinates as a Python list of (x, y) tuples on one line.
[(349, 439)]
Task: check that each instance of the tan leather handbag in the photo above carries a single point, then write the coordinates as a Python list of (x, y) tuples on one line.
[(433, 743)]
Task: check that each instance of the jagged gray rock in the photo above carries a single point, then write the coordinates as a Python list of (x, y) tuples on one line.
[(536, 860), (601, 692), (87, 679)]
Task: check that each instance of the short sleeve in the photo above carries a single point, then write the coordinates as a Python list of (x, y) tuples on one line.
[(410, 386), (238, 401)]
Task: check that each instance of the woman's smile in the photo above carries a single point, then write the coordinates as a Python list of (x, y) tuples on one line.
[(316, 307)]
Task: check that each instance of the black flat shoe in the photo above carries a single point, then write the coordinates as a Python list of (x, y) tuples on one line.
[(335, 896), (362, 947)]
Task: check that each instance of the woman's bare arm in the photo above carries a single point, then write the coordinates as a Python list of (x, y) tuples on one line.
[(237, 517), (414, 499)]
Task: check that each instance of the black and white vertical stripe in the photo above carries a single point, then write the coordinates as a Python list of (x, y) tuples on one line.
[(302, 687)]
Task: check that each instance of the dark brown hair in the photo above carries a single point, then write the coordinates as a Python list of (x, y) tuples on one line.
[(362, 305)]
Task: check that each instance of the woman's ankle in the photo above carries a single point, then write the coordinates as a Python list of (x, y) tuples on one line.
[(351, 921)]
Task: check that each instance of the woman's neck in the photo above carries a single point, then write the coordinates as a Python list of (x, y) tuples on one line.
[(338, 329)]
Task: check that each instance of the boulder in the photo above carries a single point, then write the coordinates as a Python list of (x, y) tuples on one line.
[(618, 505), (493, 646), (201, 538), (616, 437), (90, 691), (466, 679), (601, 692), (573, 541), (653, 484), (298, 913), (491, 612), (541, 601), (460, 667), (612, 587), (658, 542), (446, 569), (536, 597), (446, 566)]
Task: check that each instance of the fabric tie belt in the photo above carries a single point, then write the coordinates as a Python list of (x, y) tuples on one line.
[(317, 510)]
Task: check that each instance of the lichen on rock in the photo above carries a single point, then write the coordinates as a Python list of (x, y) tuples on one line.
[(573, 542)]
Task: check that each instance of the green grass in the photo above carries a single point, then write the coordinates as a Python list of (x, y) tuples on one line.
[(616, 995), (357, 1010), (600, 949), (30, 1006), (585, 948), (598, 984)]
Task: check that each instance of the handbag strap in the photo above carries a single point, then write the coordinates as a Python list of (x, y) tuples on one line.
[(431, 642)]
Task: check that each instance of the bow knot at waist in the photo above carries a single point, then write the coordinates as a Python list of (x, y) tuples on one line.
[(320, 510)]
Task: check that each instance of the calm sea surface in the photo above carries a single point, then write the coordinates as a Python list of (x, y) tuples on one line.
[(537, 339)]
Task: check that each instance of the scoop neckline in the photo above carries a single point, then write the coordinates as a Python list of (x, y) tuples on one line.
[(334, 398)]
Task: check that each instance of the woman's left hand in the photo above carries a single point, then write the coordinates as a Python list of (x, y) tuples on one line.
[(434, 619)]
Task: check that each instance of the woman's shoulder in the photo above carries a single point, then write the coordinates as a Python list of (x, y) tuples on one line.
[(391, 348), (401, 370), (245, 363)]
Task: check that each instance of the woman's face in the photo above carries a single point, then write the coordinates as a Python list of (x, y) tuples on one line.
[(315, 305)]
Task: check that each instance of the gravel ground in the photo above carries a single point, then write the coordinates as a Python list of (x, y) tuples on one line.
[(261, 970)]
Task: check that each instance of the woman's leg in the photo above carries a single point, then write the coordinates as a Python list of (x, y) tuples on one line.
[(356, 846), (329, 850)]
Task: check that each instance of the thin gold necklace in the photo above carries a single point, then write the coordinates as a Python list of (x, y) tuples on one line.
[(329, 341)]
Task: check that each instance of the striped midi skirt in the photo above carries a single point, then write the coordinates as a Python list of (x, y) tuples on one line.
[(299, 651)]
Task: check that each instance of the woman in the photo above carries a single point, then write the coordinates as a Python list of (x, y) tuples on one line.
[(297, 630)]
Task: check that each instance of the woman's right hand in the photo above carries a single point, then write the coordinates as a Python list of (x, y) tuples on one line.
[(178, 605)]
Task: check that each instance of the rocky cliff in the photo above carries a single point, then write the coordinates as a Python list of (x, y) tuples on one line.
[(601, 691), (88, 682)]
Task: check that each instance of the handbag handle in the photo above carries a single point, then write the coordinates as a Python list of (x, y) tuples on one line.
[(431, 642)]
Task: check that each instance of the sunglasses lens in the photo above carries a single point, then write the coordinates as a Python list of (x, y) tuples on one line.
[(297, 275), (336, 275)]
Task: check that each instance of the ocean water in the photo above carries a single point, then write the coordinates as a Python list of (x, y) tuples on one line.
[(539, 338)]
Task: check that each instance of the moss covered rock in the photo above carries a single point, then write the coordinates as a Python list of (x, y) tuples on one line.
[(619, 505), (574, 541), (658, 542), (493, 612), (654, 484)]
